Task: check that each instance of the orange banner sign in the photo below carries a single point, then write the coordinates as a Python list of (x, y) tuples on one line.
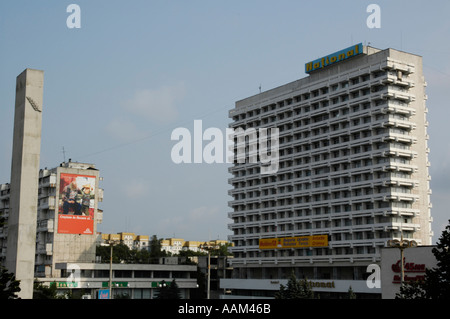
[(294, 242)]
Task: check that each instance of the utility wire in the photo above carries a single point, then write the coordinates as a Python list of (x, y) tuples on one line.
[(155, 133)]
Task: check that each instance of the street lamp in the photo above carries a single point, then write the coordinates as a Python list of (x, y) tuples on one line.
[(402, 244), (207, 248), (111, 244)]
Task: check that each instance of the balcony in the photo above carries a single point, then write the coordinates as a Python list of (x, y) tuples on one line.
[(47, 202), (44, 249), (46, 226), (48, 181)]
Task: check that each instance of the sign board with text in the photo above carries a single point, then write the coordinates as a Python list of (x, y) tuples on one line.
[(76, 204), (334, 58), (294, 242)]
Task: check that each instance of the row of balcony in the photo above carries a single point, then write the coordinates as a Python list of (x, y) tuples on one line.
[(330, 88), (355, 229), (350, 258)]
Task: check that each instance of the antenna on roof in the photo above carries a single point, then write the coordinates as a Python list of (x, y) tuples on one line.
[(401, 41), (64, 154), (259, 88)]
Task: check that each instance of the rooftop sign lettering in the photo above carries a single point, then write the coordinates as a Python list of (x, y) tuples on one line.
[(334, 58)]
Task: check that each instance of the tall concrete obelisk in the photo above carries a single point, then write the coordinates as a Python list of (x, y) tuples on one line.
[(21, 245)]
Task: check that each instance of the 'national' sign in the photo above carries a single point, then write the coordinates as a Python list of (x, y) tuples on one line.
[(334, 58)]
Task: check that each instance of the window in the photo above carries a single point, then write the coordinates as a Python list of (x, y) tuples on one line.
[(142, 274), (141, 293), (101, 273)]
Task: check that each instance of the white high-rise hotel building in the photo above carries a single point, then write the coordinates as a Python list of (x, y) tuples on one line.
[(353, 165)]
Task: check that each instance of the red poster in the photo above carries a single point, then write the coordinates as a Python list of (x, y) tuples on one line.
[(76, 204), (73, 224)]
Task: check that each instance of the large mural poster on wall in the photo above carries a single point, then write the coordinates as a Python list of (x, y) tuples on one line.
[(76, 204)]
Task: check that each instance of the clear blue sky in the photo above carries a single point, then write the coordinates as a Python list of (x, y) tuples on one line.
[(116, 88)]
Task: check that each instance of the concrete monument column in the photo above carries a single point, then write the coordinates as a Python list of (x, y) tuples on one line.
[(21, 245)]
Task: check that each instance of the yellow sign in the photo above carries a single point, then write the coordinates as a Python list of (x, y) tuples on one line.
[(294, 242), (334, 57)]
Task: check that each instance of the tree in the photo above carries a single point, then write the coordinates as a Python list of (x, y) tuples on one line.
[(295, 289), (168, 291), (351, 294), (221, 250), (436, 282), (9, 286), (156, 251), (121, 253), (200, 292), (155, 247), (190, 253), (412, 290), (42, 292), (103, 252), (174, 291), (439, 277), (142, 256), (162, 291)]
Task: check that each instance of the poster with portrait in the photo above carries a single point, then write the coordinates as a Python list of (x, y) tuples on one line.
[(76, 204)]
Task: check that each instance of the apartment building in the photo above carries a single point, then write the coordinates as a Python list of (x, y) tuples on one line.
[(131, 240), (353, 172), (176, 245), (67, 216), (67, 237)]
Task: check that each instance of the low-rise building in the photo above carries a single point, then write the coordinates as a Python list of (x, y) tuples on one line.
[(218, 268), (133, 281)]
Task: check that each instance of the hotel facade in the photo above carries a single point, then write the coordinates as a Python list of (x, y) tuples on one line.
[(352, 174)]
